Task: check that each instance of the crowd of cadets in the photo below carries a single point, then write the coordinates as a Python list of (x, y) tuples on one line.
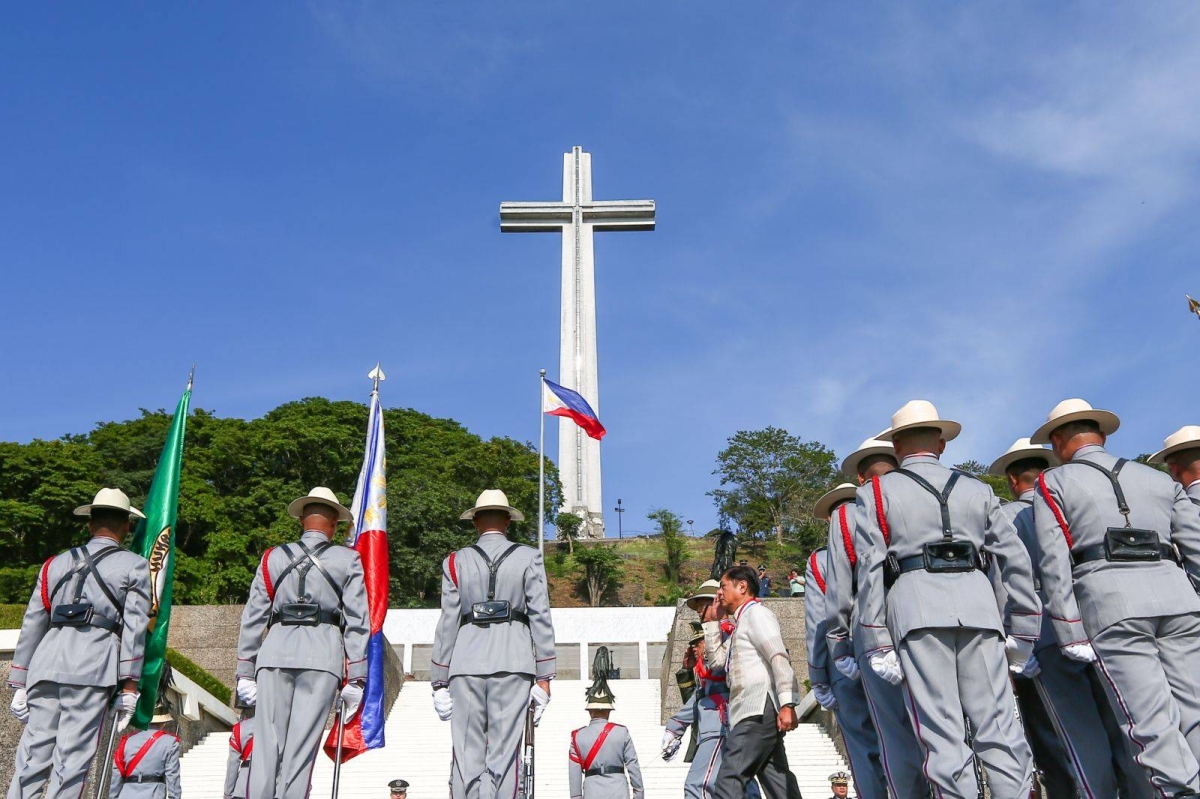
[(954, 635)]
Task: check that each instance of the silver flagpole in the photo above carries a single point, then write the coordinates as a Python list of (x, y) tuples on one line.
[(542, 467)]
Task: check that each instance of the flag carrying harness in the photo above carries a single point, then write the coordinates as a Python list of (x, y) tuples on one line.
[(1124, 544), (945, 556), (78, 613), (493, 611), (305, 613)]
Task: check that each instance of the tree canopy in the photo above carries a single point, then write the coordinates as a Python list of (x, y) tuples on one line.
[(238, 477)]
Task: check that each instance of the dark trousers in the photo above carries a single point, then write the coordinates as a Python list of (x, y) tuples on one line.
[(754, 748), (1048, 753)]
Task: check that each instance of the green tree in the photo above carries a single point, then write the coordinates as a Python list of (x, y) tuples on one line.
[(568, 525), (669, 527), (602, 570), (976, 469), (770, 480)]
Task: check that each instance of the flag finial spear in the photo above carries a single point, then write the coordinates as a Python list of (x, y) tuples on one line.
[(1193, 305), (378, 376), (191, 377)]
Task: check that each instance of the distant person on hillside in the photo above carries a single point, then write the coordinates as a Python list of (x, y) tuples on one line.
[(764, 581), (602, 763), (493, 651), (796, 582), (762, 689)]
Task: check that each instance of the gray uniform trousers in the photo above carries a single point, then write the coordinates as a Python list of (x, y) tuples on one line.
[(160, 760), (487, 729), (945, 627), (291, 710), (853, 716), (59, 741), (899, 753), (1143, 619)]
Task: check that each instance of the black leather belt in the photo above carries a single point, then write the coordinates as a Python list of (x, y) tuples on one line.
[(917, 563), (333, 617), (103, 622), (140, 778), (1100, 552), (519, 616), (600, 771)]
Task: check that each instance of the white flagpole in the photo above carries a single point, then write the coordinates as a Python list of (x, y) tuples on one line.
[(542, 466)]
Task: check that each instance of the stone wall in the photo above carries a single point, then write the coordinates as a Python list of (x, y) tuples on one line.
[(790, 613)]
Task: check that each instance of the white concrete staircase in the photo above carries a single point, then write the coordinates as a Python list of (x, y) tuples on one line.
[(418, 750)]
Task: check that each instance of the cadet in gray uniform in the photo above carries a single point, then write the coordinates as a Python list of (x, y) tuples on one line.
[(82, 639), (1111, 533), (1082, 747), (237, 770), (835, 691), (146, 763), (1181, 455), (309, 598), (900, 754), (602, 763), (493, 651), (929, 615)]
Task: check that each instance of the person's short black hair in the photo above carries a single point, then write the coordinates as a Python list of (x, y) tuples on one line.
[(1024, 465), (110, 518), (741, 573), (1079, 426), (1184, 458)]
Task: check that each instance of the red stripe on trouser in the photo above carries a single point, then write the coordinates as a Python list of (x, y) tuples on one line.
[(712, 763), (883, 757), (916, 720), (1125, 711)]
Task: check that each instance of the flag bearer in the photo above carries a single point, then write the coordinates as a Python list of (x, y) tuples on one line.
[(81, 641), (309, 598), (146, 763), (493, 651), (841, 693), (1113, 536), (928, 613), (602, 762)]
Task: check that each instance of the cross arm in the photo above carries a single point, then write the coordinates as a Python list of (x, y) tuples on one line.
[(534, 217)]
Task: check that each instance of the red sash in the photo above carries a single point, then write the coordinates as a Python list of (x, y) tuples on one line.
[(595, 750), (126, 767)]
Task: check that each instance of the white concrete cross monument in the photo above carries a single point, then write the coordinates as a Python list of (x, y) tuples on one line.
[(577, 217)]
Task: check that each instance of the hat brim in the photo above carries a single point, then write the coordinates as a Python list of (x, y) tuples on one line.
[(161, 718), (1108, 421), (599, 706), (694, 600), (513, 513), (1162, 455), (850, 464), (824, 506), (947, 428), (1000, 466), (86, 510), (297, 506)]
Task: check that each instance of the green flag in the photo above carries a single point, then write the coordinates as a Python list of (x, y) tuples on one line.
[(155, 541)]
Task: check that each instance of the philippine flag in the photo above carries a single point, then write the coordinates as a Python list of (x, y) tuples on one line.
[(559, 401), (368, 535)]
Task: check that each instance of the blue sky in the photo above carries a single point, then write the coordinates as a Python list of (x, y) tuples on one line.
[(989, 206)]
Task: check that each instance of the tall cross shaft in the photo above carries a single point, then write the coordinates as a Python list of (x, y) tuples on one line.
[(577, 217)]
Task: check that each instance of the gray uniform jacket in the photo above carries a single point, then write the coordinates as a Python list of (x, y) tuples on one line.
[(711, 701), (324, 647), (820, 664), (237, 770), (1074, 507), (506, 647), (87, 655), (1193, 492), (909, 517), (159, 762), (1020, 512), (840, 573), (616, 757)]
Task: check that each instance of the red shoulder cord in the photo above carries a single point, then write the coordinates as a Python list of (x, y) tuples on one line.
[(847, 539), (45, 583), (575, 756), (816, 570), (879, 514), (453, 571), (1058, 514), (267, 574)]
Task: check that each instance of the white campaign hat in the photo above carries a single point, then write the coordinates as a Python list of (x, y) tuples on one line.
[(872, 446), (113, 498), (840, 493), (707, 591), (1186, 437), (1075, 410), (920, 413), (493, 499), (1020, 450), (320, 496)]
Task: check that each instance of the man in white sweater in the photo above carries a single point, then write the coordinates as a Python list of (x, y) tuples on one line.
[(762, 689)]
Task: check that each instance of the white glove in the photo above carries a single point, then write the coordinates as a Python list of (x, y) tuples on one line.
[(847, 667), (126, 706), (1082, 653), (670, 745), (825, 697), (20, 705), (247, 691), (540, 699), (1032, 668), (1019, 651), (443, 704), (352, 695), (887, 666)]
